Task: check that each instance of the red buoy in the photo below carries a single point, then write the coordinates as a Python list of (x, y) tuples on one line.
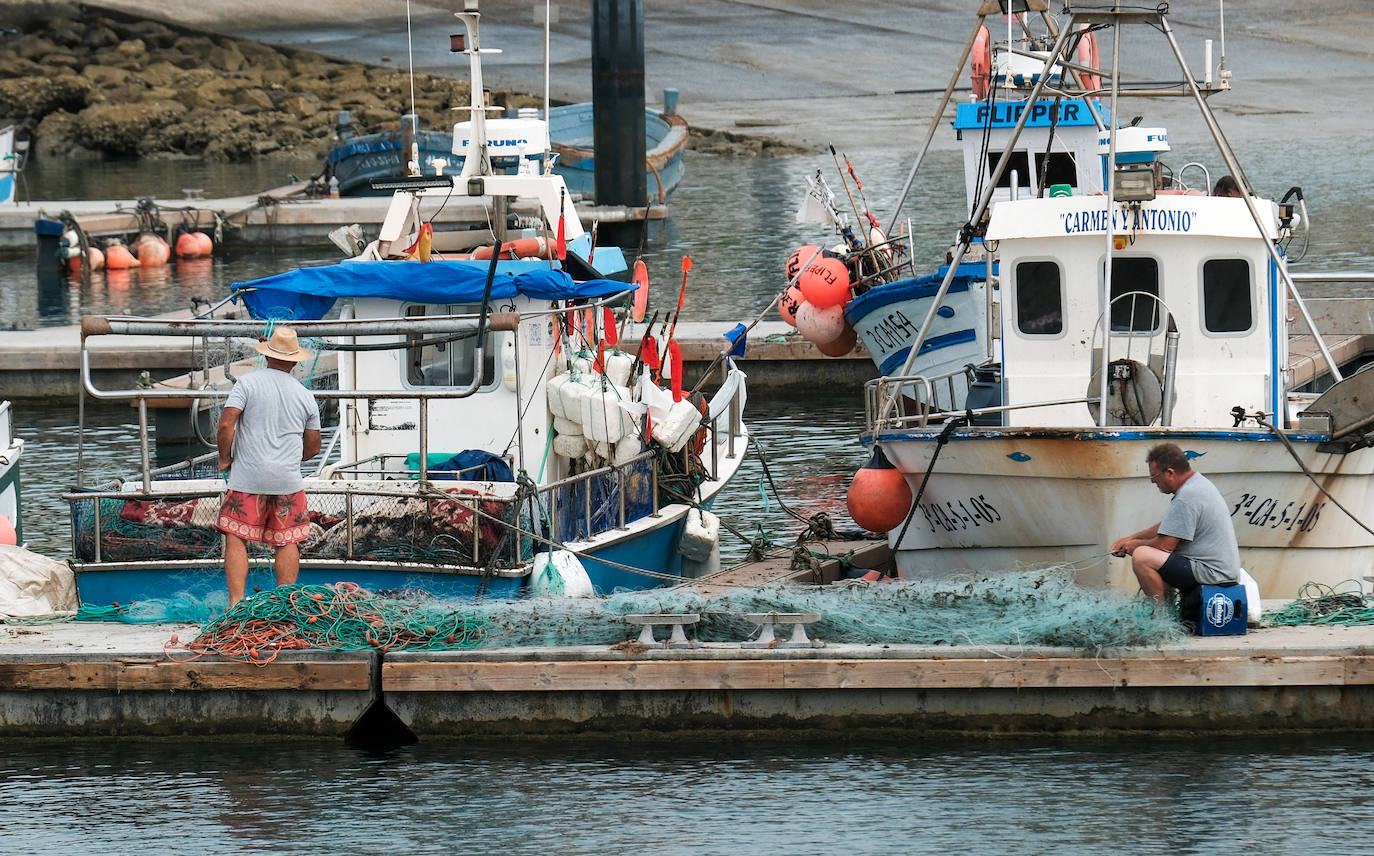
[(800, 256), (825, 283), (879, 496), (788, 304)]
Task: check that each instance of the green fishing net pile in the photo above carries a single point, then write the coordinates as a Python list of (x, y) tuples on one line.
[(1024, 608)]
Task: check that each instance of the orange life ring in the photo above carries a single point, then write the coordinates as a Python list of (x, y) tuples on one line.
[(980, 74), (1086, 54), (520, 248)]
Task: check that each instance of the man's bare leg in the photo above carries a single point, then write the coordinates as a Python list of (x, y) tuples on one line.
[(287, 565), (1146, 562), (235, 567)]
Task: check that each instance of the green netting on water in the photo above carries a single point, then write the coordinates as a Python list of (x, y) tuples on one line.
[(1024, 608)]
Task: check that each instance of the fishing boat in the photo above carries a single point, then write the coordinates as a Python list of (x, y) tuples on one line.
[(491, 439), (11, 450), (355, 163), (1055, 149), (1149, 311), (665, 139)]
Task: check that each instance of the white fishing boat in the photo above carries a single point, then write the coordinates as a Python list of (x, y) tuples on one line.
[(1148, 312), (1054, 151), (492, 439)]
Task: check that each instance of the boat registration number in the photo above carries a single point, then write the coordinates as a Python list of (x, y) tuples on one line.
[(957, 514), (1273, 513)]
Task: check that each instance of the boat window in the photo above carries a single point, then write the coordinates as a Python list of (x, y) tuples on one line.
[(1226, 303), (1019, 163), (444, 363), (1039, 299), (1058, 168), (1135, 284)]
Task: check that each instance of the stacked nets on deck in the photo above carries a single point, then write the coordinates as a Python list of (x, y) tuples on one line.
[(1029, 609), (1319, 604)]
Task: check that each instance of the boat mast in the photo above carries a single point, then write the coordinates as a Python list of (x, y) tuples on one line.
[(477, 162)]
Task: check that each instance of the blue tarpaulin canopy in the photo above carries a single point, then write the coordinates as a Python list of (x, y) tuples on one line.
[(307, 294)]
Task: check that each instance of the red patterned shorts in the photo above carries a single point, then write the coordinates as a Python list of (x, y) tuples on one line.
[(269, 518)]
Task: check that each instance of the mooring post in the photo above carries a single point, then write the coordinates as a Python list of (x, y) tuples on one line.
[(618, 105)]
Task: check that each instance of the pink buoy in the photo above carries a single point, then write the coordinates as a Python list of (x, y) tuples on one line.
[(825, 283), (152, 250), (819, 325), (7, 533)]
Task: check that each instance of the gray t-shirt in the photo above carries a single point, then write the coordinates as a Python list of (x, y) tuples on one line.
[(268, 440), (1200, 519)]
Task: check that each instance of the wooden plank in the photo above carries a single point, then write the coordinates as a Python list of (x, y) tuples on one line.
[(135, 675), (796, 674)]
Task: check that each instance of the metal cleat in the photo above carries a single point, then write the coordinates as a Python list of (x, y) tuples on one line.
[(798, 639), (677, 639)]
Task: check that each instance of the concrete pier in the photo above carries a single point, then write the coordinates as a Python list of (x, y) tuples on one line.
[(96, 680)]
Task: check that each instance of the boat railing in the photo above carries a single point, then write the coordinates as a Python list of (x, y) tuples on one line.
[(912, 408), (465, 524)]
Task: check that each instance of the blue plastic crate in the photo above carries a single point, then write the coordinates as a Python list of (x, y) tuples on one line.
[(1222, 612)]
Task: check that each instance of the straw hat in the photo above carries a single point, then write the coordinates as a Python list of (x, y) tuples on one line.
[(283, 346)]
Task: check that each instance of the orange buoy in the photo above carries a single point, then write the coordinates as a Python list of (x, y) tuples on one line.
[(207, 246), (825, 283), (152, 250), (93, 255), (879, 496), (819, 325), (980, 71), (842, 345), (1086, 54), (800, 256), (788, 304), (7, 533), (189, 245), (118, 257), (520, 248), (641, 281)]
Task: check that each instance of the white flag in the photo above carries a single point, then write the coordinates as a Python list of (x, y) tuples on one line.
[(818, 205)]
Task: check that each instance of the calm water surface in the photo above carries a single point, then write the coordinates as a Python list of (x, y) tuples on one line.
[(1228, 796), (735, 218)]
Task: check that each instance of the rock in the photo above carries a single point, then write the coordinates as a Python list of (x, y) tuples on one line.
[(227, 57), (31, 98), (252, 100), (58, 136), (106, 76), (118, 129), (161, 73)]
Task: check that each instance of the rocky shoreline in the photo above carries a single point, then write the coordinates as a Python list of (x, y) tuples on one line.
[(86, 84)]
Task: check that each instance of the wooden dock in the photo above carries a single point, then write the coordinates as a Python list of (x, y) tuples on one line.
[(101, 680), (281, 217)]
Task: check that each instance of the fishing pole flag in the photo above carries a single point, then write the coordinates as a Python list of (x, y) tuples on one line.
[(818, 205)]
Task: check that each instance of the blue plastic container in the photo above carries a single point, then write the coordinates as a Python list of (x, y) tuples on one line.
[(1223, 611)]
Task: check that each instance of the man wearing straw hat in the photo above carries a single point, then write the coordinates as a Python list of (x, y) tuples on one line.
[(270, 424)]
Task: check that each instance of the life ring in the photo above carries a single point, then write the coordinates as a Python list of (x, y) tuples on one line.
[(980, 74), (1086, 54), (520, 248)]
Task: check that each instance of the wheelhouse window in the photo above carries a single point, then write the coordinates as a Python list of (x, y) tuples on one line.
[(1019, 164), (436, 359), (1057, 168), (1135, 287), (1039, 299), (1227, 306)]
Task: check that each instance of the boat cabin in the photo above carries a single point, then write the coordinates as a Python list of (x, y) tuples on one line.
[(1057, 148)]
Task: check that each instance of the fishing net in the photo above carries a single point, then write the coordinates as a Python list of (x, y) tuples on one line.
[(1319, 604), (1024, 608)]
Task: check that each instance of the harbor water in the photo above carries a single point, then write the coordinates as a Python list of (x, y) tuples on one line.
[(1255, 796), (901, 792)]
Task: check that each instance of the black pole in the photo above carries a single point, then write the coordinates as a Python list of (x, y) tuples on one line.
[(618, 101)]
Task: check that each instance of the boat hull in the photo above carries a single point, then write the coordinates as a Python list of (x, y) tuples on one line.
[(888, 317), (1003, 499)]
